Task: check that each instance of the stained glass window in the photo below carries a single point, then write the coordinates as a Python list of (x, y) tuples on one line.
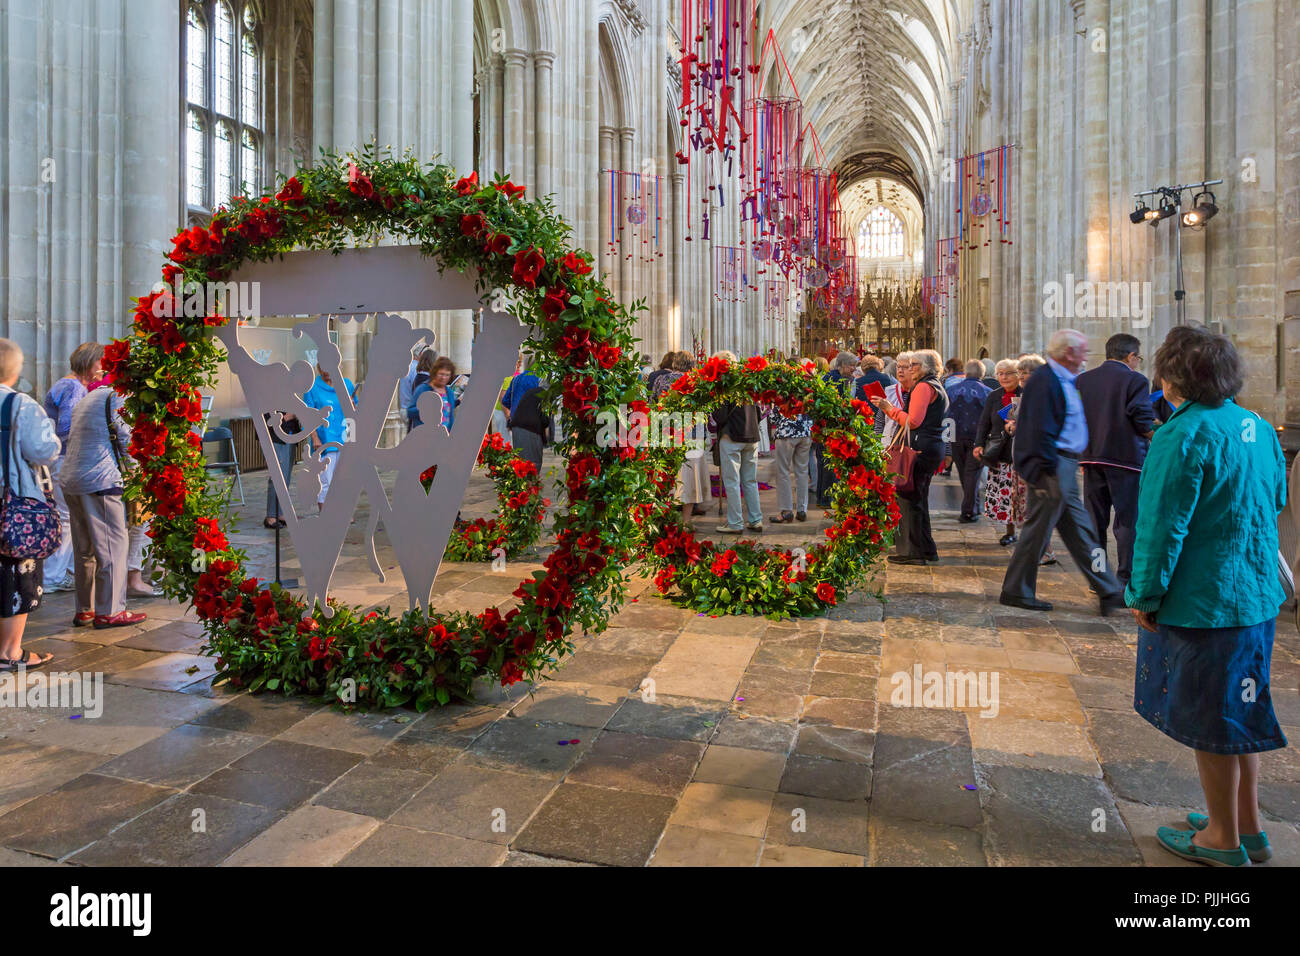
[(880, 235), (223, 148)]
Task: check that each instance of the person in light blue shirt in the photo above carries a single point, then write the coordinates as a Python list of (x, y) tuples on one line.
[(1074, 433), (322, 396)]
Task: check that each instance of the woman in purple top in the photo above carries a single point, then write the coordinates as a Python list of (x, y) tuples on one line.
[(63, 396)]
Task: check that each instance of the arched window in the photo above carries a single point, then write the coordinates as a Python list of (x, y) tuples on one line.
[(880, 235), (222, 52)]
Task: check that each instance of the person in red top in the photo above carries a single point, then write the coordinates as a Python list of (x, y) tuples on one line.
[(926, 406)]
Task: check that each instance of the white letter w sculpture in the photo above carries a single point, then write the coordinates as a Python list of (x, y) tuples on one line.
[(360, 282)]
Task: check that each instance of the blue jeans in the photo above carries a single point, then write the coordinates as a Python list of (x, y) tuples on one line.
[(740, 478)]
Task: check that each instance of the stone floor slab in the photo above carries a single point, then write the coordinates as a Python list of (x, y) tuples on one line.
[(739, 767), (639, 763), (182, 756), (902, 842), (309, 836), (391, 845), (373, 791), (187, 830), (689, 846), (76, 814), (774, 854), (586, 705), (802, 821), (595, 825), (476, 803), (290, 759), (678, 718), (714, 806)]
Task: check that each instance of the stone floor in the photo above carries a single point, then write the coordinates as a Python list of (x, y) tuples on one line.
[(766, 743)]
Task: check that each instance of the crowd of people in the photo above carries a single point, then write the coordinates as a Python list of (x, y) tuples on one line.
[(1190, 484)]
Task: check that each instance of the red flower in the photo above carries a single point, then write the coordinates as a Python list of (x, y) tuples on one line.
[(168, 340), (209, 537), (664, 579), (528, 265), (359, 182), (467, 184), (685, 385), (826, 593), (438, 638), (472, 224), (292, 192), (510, 189), (722, 563), (582, 468), (608, 355), (523, 469), (510, 673), (713, 368), (556, 301), (578, 266), (579, 393), (148, 439), (115, 358), (576, 343), (497, 244), (756, 364)]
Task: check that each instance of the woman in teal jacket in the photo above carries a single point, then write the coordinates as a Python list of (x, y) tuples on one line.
[(1205, 591)]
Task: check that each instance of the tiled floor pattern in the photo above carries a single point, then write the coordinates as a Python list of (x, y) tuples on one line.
[(752, 743)]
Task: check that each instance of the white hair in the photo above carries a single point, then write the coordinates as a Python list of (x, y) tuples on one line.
[(1063, 340), (928, 359), (725, 355), (1006, 365)]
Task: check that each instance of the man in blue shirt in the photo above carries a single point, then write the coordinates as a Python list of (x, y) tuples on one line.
[(322, 396), (965, 406), (1051, 434)]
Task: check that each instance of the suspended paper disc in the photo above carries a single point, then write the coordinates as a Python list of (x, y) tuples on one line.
[(789, 226), (816, 278), (635, 215), (981, 204), (950, 268), (834, 259), (803, 247), (762, 250)]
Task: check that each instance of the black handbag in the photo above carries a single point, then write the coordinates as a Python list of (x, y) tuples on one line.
[(996, 450)]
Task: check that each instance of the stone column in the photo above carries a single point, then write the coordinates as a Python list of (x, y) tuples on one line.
[(607, 260), (677, 336), (543, 183), (626, 267), (1096, 167), (514, 106)]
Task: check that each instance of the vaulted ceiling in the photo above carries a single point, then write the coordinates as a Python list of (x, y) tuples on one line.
[(873, 76)]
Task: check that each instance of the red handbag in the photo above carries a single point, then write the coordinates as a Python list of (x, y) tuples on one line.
[(900, 460)]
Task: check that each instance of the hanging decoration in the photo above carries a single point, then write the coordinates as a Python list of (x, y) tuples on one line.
[(983, 189), (776, 294), (634, 215), (716, 74), (730, 275), (778, 138)]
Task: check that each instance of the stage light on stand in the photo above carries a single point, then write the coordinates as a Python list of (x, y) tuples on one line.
[(1139, 214), (1203, 209)]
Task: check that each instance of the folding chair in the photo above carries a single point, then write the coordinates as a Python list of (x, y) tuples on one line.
[(220, 434)]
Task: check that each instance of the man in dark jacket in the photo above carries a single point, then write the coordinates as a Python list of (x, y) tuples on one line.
[(1051, 435), (1117, 404), (965, 405)]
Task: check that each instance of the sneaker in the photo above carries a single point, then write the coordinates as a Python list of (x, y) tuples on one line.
[(728, 529), (67, 583), (1255, 844), (121, 619), (756, 528), (84, 619)]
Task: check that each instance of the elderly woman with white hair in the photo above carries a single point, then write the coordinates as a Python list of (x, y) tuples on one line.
[(927, 406), (1004, 492), (30, 442)]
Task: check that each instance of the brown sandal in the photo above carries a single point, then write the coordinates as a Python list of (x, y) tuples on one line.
[(786, 517), (25, 661)]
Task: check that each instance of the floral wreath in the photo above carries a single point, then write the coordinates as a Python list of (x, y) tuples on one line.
[(520, 507), (778, 583), (261, 635)]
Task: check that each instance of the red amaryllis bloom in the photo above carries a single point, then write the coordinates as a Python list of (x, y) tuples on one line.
[(556, 301), (188, 407), (438, 638), (528, 265), (472, 224), (497, 244), (168, 340), (575, 343), (582, 468), (756, 364), (359, 182), (863, 409), (826, 593), (524, 469), (115, 358), (308, 624), (579, 393), (722, 563), (664, 579), (577, 265), (291, 192), (510, 189), (319, 649), (685, 384), (511, 673), (467, 184), (209, 536), (608, 355), (713, 368), (148, 439)]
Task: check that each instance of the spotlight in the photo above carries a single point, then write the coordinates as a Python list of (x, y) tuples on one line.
[(1203, 208), (1167, 209), (1139, 214)]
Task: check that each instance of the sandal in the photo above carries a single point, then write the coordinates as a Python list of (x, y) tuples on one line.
[(25, 661), (786, 517), (1179, 843)]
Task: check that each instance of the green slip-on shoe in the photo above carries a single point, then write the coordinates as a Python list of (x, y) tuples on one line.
[(1179, 843), (1256, 844)]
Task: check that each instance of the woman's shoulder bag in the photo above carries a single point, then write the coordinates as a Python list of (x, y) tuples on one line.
[(29, 527)]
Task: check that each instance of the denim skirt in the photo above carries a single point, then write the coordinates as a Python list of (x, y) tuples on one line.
[(1208, 687)]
